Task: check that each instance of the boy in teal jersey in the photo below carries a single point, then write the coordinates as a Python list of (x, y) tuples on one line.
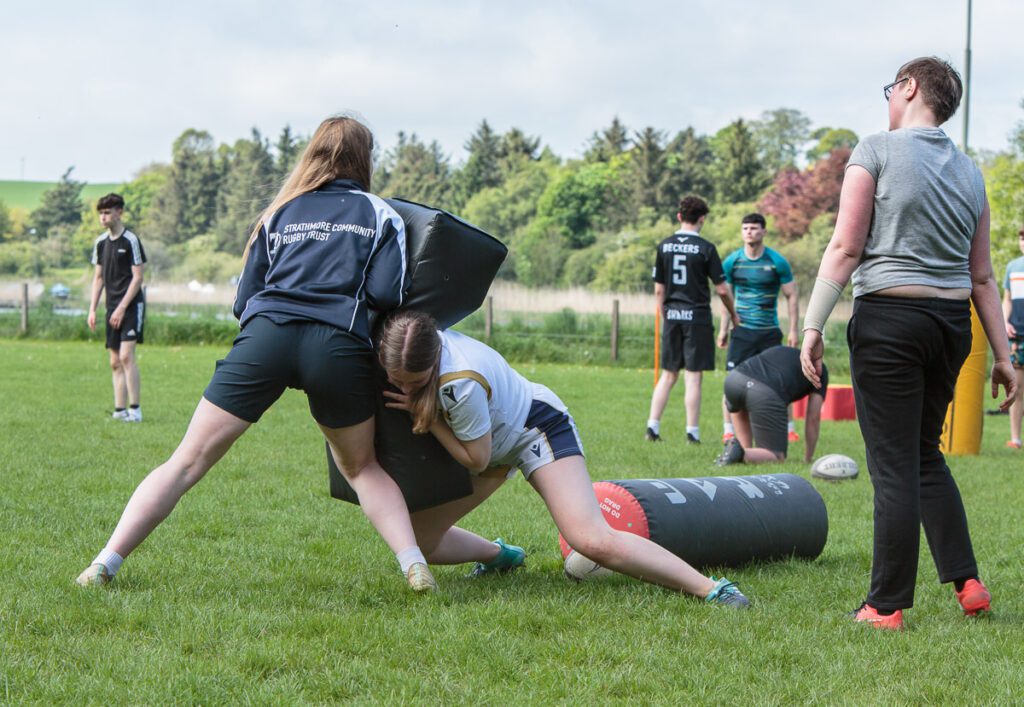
[(1013, 315), (757, 274)]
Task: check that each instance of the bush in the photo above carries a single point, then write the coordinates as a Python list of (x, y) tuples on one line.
[(199, 259), (804, 254), (20, 258), (581, 266), (542, 253)]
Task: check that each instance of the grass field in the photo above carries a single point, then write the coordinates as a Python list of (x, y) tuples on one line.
[(28, 195), (261, 589)]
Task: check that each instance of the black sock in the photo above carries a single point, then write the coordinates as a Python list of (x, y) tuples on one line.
[(885, 612), (118, 409), (958, 584), (134, 407)]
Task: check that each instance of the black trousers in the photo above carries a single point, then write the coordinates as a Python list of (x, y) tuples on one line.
[(905, 355)]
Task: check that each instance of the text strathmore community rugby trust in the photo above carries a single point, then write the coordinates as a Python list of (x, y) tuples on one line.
[(320, 230)]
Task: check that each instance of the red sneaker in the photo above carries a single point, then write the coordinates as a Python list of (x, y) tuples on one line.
[(726, 436), (974, 598), (869, 615), (794, 437), (1013, 444)]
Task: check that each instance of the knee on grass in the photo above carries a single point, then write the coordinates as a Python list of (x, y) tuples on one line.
[(601, 547)]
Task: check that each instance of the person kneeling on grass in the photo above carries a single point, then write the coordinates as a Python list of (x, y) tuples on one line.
[(757, 393), (322, 252), (493, 420)]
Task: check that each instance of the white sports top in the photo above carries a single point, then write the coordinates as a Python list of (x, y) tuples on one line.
[(480, 392)]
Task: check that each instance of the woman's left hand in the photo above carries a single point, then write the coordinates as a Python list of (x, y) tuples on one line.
[(398, 401), (811, 354), (1004, 375)]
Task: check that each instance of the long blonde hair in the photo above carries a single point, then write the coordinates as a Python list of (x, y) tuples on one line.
[(409, 342), (341, 148)]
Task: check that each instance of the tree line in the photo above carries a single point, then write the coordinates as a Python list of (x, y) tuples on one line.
[(587, 221)]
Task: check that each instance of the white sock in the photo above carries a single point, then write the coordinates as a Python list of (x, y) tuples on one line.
[(409, 557), (654, 426), (728, 429), (109, 559), (695, 431), (791, 427)]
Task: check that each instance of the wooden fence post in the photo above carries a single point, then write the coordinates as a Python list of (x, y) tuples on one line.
[(488, 317), (24, 308), (615, 330)]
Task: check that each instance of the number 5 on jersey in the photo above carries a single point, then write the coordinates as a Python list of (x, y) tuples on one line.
[(678, 269)]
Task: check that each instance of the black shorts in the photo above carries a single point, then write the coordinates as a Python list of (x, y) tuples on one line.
[(131, 325), (745, 343), (687, 345), (767, 411), (333, 367)]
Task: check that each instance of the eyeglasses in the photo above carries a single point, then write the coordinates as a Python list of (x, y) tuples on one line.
[(887, 90)]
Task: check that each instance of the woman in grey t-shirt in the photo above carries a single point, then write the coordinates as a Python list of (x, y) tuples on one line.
[(913, 231)]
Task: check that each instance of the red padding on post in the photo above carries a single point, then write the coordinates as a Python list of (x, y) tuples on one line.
[(839, 404), (621, 510)]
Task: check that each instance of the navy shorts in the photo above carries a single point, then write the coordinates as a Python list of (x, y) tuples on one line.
[(549, 434), (746, 343), (333, 367)]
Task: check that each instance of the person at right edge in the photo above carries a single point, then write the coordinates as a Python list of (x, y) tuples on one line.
[(913, 230), (1013, 311)]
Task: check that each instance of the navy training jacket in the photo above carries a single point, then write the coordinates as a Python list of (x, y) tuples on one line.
[(326, 256)]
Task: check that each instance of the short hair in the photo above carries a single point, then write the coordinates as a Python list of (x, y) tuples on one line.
[(940, 84), (755, 218), (691, 208), (110, 201)]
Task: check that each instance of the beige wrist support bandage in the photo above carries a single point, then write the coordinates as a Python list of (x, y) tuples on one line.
[(823, 300)]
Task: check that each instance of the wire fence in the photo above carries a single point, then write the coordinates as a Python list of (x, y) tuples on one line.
[(558, 326)]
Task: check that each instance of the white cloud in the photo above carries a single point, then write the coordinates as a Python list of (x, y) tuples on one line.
[(109, 89)]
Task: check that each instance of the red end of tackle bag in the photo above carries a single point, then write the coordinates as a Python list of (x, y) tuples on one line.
[(451, 266)]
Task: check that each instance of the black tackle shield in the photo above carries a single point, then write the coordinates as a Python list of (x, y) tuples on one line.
[(451, 266)]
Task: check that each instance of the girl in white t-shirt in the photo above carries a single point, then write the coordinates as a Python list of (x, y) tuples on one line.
[(493, 420)]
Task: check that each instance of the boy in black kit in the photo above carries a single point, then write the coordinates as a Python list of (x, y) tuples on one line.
[(119, 257), (682, 267)]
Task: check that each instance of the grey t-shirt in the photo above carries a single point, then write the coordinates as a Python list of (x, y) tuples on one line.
[(928, 200)]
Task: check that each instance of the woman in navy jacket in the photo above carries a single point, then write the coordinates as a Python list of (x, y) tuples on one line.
[(323, 252)]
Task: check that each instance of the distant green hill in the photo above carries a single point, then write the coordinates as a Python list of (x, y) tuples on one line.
[(27, 195)]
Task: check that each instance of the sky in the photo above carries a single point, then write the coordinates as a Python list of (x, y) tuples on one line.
[(108, 86)]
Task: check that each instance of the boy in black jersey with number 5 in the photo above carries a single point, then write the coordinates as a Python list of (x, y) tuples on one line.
[(682, 267)]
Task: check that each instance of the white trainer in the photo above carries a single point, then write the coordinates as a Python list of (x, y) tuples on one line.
[(119, 414), (134, 415)]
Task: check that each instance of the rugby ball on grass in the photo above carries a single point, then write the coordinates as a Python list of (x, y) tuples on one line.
[(834, 467), (579, 568)]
